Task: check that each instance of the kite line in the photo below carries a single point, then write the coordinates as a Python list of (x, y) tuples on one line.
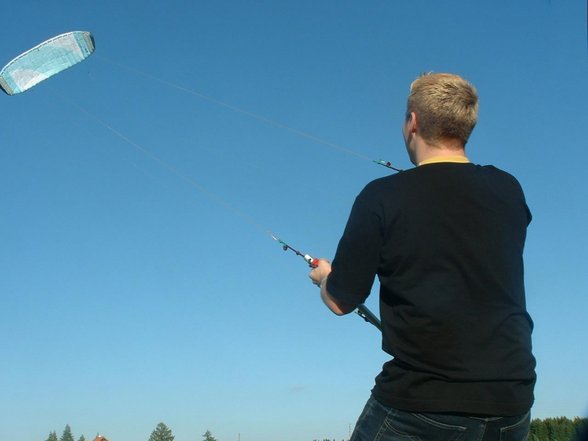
[(256, 116), (361, 310), (169, 167)]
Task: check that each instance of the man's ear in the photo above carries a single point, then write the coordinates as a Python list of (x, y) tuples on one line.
[(412, 122)]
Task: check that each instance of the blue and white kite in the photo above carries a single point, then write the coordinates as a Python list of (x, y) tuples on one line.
[(45, 60)]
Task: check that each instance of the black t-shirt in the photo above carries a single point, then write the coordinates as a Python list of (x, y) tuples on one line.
[(446, 242)]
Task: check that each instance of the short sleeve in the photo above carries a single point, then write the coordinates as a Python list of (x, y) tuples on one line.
[(358, 254)]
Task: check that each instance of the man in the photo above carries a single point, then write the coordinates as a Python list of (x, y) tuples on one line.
[(446, 241)]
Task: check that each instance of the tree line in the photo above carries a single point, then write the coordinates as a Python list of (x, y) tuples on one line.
[(559, 429), (160, 433), (548, 429), (65, 436), (164, 433)]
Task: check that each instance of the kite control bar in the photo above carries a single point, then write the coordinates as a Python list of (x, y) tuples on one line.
[(312, 261), (368, 316), (361, 310)]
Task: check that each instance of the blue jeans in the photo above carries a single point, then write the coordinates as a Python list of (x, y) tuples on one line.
[(380, 423)]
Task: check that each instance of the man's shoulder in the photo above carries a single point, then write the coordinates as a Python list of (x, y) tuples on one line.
[(438, 170), (383, 184), (499, 174), (396, 179)]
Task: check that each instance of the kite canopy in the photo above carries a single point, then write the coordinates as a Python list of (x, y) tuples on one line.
[(45, 60)]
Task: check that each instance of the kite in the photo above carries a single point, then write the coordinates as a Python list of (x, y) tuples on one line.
[(45, 60)]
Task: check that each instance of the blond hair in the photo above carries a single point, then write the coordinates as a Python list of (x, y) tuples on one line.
[(446, 106)]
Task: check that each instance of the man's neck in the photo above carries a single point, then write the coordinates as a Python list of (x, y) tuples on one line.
[(428, 152)]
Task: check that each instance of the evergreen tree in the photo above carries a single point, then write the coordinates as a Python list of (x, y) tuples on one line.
[(208, 436), (66, 435), (538, 431), (161, 433), (52, 436), (558, 429), (82, 438)]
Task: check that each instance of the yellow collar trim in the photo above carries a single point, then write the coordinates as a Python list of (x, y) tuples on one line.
[(457, 158)]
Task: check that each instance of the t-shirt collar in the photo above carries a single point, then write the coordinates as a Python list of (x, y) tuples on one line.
[(453, 158)]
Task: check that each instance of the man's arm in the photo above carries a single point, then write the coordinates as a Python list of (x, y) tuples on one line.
[(319, 276)]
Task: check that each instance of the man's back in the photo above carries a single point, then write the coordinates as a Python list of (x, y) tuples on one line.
[(446, 242)]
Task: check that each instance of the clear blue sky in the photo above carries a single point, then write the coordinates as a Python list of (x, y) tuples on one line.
[(129, 296)]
